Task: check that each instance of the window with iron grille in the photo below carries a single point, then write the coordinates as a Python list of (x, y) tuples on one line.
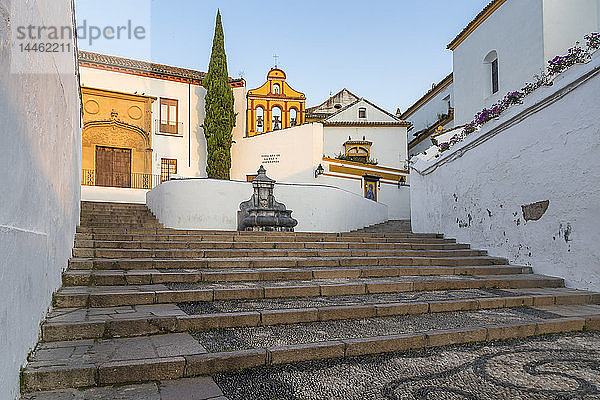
[(168, 167)]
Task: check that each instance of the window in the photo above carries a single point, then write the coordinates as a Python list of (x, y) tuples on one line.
[(492, 72), (276, 118), (358, 150), (495, 76), (250, 178), (276, 88), (168, 167), (260, 119), (362, 113), (168, 116), (293, 117)]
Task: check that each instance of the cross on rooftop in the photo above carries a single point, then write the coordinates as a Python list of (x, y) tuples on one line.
[(275, 57)]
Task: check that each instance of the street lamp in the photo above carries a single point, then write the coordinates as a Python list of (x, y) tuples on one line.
[(319, 171)]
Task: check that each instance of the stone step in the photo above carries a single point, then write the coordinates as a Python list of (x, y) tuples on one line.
[(262, 253), (389, 226), (87, 363), (127, 321), (183, 236), (264, 234), (274, 262), (131, 244), (149, 277), (114, 296)]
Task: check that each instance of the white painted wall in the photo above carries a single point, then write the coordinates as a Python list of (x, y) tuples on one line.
[(566, 22), (427, 115), (213, 204), (40, 158), (515, 32), (389, 143), (113, 195), (189, 149), (526, 34), (475, 191), (300, 151)]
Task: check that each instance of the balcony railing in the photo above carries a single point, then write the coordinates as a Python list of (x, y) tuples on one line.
[(90, 177), (175, 129)]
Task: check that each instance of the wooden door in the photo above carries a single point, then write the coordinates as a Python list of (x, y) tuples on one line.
[(113, 167)]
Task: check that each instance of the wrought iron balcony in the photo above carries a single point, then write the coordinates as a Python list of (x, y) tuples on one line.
[(169, 128), (90, 177)]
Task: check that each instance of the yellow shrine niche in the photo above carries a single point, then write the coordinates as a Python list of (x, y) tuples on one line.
[(116, 138), (274, 105)]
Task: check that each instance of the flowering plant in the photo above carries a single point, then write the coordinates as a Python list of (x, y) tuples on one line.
[(512, 98), (593, 41), (561, 63)]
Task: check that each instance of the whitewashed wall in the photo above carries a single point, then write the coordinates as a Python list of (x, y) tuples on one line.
[(296, 152), (427, 115), (113, 194), (515, 32), (213, 204), (566, 22), (544, 150), (389, 143), (526, 34), (189, 149), (40, 158)]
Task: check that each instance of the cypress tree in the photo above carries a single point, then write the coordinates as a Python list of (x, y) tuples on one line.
[(220, 118)]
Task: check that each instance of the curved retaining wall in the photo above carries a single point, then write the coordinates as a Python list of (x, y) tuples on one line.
[(213, 204)]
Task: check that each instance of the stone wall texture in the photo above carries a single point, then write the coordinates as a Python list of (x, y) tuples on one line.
[(526, 186), (40, 160)]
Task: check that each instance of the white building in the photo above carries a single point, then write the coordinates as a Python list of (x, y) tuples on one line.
[(322, 153), (173, 122), (432, 111), (509, 42)]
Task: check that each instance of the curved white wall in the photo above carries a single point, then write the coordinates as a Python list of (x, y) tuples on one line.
[(213, 204)]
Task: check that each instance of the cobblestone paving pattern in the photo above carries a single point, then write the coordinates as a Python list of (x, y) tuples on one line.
[(279, 335), (557, 367), (289, 303)]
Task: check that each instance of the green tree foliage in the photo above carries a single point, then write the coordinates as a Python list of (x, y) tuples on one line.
[(220, 118)]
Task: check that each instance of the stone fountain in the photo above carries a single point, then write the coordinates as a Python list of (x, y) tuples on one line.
[(262, 212)]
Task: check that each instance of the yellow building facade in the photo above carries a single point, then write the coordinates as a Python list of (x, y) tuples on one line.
[(116, 139), (274, 105)]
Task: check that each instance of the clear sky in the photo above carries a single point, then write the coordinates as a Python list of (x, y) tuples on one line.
[(388, 51)]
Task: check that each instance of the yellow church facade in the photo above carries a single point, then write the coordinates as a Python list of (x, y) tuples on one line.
[(274, 105)]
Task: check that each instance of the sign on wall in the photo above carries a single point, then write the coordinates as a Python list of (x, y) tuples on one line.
[(270, 158)]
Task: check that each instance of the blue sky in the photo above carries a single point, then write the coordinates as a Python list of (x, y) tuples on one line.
[(389, 52)]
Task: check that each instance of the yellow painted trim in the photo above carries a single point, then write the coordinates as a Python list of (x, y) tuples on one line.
[(335, 160), (361, 172), (474, 25)]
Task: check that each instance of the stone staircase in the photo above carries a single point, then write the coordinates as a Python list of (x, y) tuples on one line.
[(142, 303), (392, 226)]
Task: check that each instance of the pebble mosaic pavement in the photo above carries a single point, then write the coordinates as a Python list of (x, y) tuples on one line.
[(557, 367)]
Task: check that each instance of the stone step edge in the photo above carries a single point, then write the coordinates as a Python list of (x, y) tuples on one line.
[(115, 299), (159, 230), (85, 252), (206, 245), (123, 327), (131, 371), (149, 277), (277, 262)]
